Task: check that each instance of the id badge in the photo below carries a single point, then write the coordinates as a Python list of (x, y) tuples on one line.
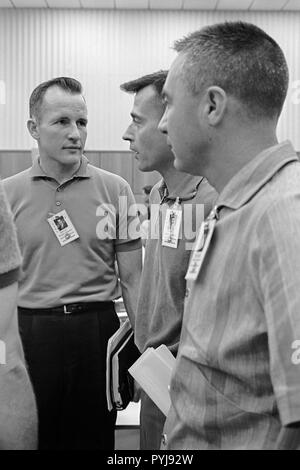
[(172, 226), (63, 228), (201, 247)]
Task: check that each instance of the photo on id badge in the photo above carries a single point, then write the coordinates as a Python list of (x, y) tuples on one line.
[(172, 225), (63, 228), (60, 222)]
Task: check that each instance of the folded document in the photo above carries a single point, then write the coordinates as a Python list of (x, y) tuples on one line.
[(153, 372)]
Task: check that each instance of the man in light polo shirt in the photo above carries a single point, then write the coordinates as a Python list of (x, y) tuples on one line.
[(69, 280), (163, 287), (18, 416), (236, 383)]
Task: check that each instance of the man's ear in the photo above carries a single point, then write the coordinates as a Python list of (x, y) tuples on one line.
[(215, 106), (33, 128)]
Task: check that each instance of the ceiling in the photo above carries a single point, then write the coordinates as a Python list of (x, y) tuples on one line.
[(252, 5)]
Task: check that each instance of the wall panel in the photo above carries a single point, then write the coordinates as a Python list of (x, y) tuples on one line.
[(120, 163), (103, 48)]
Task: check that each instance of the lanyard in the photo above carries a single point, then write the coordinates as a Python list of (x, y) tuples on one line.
[(171, 232), (202, 245)]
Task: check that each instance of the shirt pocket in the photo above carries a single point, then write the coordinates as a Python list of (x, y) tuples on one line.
[(228, 423)]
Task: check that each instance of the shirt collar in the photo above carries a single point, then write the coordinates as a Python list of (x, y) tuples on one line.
[(253, 176), (36, 170), (187, 189)]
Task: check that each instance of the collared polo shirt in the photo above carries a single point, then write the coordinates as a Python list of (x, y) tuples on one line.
[(237, 380), (101, 207), (10, 258), (163, 286)]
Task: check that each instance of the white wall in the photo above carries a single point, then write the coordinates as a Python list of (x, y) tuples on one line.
[(105, 48)]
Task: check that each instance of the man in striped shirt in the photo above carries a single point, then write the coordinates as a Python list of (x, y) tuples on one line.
[(237, 379)]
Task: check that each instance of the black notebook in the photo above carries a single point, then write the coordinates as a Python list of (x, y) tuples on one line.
[(121, 354)]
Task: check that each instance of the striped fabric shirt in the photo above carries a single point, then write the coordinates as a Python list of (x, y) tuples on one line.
[(237, 375)]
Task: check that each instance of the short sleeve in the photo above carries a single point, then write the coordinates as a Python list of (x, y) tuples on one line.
[(10, 258), (279, 242), (128, 223)]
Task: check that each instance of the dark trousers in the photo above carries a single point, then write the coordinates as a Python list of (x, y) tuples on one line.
[(152, 422), (66, 358)]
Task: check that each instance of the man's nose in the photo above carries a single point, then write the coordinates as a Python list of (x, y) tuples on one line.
[(162, 125), (127, 135), (74, 133)]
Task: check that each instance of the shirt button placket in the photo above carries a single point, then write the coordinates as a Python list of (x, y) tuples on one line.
[(58, 203)]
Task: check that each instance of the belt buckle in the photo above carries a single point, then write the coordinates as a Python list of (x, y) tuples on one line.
[(66, 312)]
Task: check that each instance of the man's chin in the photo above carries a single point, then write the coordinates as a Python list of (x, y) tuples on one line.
[(184, 166), (144, 168), (72, 155), (179, 164), (68, 159)]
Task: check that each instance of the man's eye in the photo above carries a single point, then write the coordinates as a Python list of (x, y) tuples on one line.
[(82, 123), (62, 121)]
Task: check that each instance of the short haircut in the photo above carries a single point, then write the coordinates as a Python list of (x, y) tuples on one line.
[(157, 80), (65, 83), (241, 59)]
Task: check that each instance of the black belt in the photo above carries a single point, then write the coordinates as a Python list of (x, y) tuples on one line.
[(67, 309)]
